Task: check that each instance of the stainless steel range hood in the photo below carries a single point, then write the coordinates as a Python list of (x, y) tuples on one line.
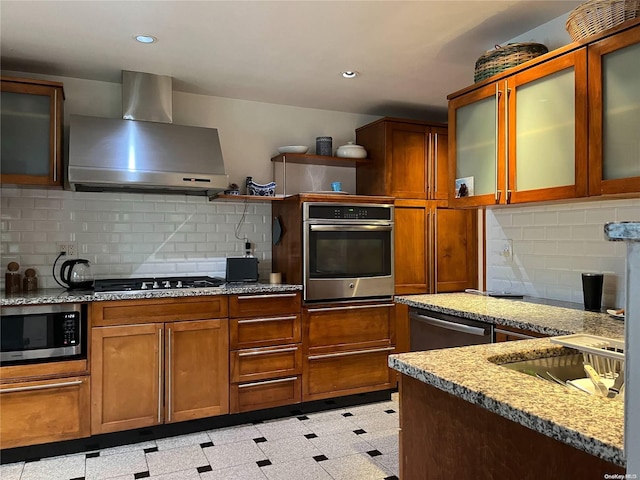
[(144, 152)]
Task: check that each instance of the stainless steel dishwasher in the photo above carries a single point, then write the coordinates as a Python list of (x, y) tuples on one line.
[(433, 330)]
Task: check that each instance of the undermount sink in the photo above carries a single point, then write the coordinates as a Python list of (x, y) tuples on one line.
[(563, 367)]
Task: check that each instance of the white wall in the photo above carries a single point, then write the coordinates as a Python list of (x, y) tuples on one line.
[(554, 244), (142, 234)]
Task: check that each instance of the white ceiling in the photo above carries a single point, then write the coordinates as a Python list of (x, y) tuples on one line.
[(410, 54)]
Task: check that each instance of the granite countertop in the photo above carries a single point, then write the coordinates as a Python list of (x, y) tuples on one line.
[(59, 295), (590, 423)]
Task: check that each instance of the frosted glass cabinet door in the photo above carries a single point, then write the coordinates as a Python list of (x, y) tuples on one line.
[(547, 130), (614, 142), (473, 147), (30, 133)]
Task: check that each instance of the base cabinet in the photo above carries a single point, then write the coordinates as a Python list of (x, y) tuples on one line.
[(443, 436), (266, 351), (347, 349), (155, 372), (43, 411)]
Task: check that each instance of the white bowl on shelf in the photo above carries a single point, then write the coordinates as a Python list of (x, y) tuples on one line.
[(293, 149), (350, 150)]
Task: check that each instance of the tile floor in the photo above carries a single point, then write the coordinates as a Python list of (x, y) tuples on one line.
[(354, 443)]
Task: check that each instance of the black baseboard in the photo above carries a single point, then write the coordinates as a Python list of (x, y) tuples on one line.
[(97, 442)]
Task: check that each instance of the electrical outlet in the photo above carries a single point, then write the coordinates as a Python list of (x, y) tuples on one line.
[(70, 249), (507, 249)]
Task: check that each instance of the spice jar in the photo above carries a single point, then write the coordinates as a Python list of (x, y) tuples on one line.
[(30, 281), (13, 279)]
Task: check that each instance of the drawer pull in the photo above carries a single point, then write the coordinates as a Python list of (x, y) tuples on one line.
[(344, 354), (261, 320), (267, 352), (354, 307), (41, 387), (268, 382), (270, 295)]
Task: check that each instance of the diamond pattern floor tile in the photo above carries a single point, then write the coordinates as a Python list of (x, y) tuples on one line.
[(103, 467), (305, 469), (232, 454), (54, 468), (176, 459)]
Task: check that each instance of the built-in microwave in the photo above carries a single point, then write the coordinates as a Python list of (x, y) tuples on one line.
[(33, 333), (348, 251)]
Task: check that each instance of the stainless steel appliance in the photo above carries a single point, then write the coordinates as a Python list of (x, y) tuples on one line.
[(348, 251), (433, 330), (42, 332), (144, 151), (146, 284)]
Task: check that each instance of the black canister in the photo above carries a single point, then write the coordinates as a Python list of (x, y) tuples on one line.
[(324, 146), (592, 291)]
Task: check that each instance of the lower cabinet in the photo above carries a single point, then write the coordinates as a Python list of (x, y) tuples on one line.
[(44, 411), (347, 349), (266, 351), (154, 373)]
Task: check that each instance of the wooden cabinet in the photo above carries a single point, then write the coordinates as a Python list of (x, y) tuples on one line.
[(522, 137), (444, 436), (435, 249), (346, 349), (266, 350), (146, 373), (32, 131), (407, 159), (614, 114), (40, 411), (502, 333)]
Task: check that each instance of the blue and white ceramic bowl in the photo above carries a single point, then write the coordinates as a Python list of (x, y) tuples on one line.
[(261, 190)]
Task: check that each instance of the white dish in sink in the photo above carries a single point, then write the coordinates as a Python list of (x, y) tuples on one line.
[(585, 384)]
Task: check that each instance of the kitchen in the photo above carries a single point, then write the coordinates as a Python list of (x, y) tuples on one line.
[(123, 233)]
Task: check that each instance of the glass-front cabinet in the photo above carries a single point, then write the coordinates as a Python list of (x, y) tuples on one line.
[(31, 119), (523, 137), (614, 114)]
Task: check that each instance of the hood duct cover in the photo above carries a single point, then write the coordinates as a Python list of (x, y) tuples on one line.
[(145, 151)]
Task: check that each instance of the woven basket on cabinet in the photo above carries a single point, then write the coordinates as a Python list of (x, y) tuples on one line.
[(502, 58), (596, 16)]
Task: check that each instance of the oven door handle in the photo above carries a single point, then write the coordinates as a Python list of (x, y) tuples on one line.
[(458, 327), (350, 228)]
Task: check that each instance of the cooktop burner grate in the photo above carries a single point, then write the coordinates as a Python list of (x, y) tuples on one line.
[(154, 283)]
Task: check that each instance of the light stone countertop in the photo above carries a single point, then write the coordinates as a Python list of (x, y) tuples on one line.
[(53, 295), (590, 423)]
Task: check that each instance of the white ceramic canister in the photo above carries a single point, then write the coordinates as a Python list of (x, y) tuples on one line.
[(350, 150)]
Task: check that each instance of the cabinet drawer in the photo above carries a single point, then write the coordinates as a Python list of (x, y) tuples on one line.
[(265, 394), (346, 373), (127, 312), (44, 411), (362, 326), (264, 304), (265, 363), (264, 331)]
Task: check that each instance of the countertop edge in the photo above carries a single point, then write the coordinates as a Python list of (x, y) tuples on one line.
[(64, 296)]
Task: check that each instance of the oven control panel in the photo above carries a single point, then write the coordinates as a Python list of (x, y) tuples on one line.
[(349, 212)]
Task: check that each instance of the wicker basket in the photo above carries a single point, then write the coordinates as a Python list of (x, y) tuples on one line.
[(502, 58), (597, 16)]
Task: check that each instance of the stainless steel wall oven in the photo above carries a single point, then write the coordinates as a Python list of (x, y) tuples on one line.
[(348, 251)]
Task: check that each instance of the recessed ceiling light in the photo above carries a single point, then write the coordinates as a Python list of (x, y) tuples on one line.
[(350, 74), (146, 38)]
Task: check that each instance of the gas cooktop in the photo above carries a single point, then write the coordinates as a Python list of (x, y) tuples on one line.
[(137, 285)]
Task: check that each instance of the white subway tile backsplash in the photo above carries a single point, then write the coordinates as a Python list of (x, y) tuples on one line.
[(550, 262), (125, 234)]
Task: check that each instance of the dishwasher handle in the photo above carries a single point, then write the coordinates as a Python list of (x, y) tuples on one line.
[(458, 327)]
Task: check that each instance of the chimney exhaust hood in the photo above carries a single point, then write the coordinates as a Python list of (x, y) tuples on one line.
[(144, 152)]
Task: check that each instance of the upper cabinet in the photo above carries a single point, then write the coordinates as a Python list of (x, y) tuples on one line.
[(523, 137), (407, 159), (614, 114), (31, 135), (561, 126)]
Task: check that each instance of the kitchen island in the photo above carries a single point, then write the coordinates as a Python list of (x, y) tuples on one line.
[(464, 413)]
